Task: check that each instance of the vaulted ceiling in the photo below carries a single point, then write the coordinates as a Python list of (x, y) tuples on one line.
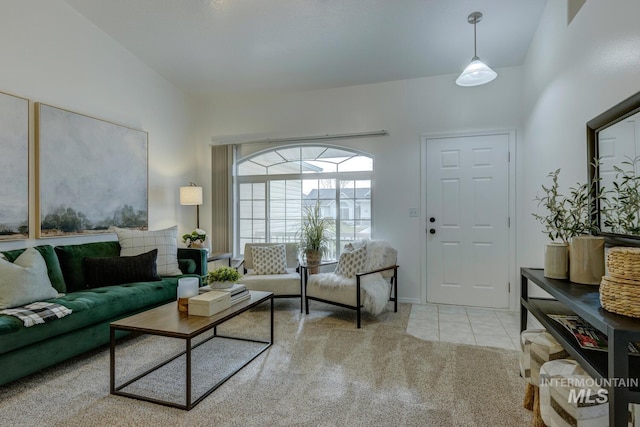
[(207, 47)]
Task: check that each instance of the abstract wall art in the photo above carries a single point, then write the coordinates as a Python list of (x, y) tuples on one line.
[(91, 174), (14, 167)]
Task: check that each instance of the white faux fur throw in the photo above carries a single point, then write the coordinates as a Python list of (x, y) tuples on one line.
[(376, 288)]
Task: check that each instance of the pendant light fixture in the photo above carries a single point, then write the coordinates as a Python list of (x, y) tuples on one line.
[(477, 72)]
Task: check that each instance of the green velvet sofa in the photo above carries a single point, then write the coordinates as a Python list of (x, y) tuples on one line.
[(27, 350)]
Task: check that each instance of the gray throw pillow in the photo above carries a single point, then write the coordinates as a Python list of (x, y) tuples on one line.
[(25, 280)]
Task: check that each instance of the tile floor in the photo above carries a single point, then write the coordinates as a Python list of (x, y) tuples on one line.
[(465, 325)]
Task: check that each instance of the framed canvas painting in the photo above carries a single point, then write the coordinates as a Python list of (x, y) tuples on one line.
[(14, 167), (91, 174)]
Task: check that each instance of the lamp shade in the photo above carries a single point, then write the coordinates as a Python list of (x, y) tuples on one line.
[(477, 73), (191, 195)]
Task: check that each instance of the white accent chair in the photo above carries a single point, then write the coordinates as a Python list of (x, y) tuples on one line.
[(286, 285), (370, 288)]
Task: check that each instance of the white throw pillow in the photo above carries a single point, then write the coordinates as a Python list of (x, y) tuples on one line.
[(136, 242), (269, 259), (352, 262), (25, 280)]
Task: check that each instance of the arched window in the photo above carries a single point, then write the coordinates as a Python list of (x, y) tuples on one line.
[(274, 186)]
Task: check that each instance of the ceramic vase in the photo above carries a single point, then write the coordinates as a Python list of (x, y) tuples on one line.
[(586, 260), (556, 260)]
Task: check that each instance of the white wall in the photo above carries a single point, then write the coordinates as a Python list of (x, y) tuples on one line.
[(407, 109), (572, 74), (52, 54)]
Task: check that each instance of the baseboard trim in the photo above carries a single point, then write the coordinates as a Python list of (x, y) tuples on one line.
[(409, 300)]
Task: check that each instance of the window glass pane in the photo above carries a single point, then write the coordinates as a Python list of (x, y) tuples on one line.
[(250, 168), (335, 153), (285, 168), (259, 191), (278, 230), (267, 159), (277, 209), (246, 209), (316, 166), (245, 192), (312, 153), (277, 189), (259, 230), (290, 154), (246, 230), (358, 163), (258, 210)]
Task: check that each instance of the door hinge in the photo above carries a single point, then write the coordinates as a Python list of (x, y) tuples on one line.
[(509, 156), (508, 222), (509, 287)]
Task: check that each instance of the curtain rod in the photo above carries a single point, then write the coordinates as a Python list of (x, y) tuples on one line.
[(314, 137)]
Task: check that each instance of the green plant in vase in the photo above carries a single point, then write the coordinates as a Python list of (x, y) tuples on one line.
[(621, 206), (223, 277), (314, 236), (570, 220)]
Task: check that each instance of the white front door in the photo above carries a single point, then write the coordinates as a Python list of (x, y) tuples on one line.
[(467, 201)]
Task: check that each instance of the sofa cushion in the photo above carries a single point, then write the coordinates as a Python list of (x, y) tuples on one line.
[(50, 258), (101, 271), (71, 256), (136, 242), (269, 259), (89, 307), (25, 280), (279, 284)]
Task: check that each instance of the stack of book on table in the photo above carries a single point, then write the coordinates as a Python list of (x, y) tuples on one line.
[(237, 292)]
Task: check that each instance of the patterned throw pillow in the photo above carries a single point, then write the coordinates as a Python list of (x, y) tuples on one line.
[(269, 259), (352, 262), (136, 242)]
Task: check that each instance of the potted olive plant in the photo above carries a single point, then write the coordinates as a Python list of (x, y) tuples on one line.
[(621, 207), (569, 222), (314, 236)]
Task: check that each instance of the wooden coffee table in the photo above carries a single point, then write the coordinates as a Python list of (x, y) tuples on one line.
[(167, 321)]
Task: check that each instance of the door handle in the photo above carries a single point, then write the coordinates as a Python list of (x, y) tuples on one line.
[(432, 219), (432, 231)]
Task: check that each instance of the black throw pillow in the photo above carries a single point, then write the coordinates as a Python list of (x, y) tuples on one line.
[(118, 270)]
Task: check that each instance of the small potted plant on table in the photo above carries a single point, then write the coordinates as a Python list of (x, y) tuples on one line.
[(195, 239), (223, 277)]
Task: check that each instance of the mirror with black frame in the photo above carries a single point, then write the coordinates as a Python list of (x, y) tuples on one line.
[(613, 149)]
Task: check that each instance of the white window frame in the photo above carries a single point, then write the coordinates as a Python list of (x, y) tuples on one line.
[(265, 178)]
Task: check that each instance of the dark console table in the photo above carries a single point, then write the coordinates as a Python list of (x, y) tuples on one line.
[(584, 301)]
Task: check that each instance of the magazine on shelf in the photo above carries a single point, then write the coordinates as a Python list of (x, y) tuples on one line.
[(588, 337)]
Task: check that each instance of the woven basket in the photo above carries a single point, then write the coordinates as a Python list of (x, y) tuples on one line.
[(624, 263), (620, 297)]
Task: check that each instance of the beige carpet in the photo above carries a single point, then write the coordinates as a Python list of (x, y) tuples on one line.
[(321, 371)]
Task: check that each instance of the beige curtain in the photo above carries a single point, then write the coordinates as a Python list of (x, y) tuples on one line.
[(221, 167)]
